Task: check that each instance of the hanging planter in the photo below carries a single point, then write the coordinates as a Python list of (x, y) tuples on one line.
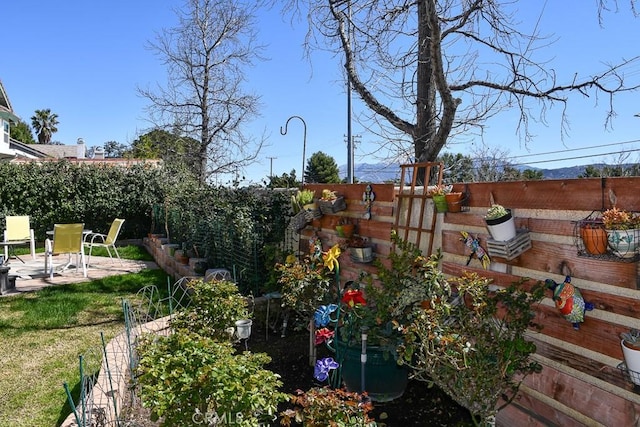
[(454, 201), (500, 223), (344, 228), (622, 234), (594, 238), (623, 243), (440, 202), (330, 203), (360, 249), (631, 350)]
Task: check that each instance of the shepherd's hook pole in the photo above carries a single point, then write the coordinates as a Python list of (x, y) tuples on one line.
[(304, 141)]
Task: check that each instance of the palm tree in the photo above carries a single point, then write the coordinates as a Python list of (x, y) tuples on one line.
[(44, 122)]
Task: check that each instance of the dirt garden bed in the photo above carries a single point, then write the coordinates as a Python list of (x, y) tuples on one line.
[(419, 406)]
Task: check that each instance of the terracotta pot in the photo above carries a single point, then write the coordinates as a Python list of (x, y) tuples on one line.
[(454, 202), (595, 240), (345, 230)]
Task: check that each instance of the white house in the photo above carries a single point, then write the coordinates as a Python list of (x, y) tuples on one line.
[(18, 152), (9, 148)]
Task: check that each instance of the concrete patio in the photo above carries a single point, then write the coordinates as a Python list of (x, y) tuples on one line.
[(32, 277)]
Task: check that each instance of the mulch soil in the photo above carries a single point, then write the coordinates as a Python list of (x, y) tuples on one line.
[(420, 405)]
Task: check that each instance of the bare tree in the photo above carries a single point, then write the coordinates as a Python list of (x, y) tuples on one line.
[(430, 69), (204, 98)]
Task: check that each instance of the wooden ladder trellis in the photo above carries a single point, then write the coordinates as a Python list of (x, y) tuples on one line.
[(415, 180)]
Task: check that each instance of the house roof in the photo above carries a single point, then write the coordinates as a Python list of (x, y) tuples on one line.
[(6, 111), (57, 151)]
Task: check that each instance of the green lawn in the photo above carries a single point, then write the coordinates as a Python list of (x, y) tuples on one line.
[(42, 335)]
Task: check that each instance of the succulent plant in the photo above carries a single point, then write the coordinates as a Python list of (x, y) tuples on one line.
[(631, 337), (496, 211)]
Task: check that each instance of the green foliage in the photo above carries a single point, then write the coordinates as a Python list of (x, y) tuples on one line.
[(457, 167), (473, 346), (397, 290), (215, 306), (323, 406), (496, 211), (593, 171), (190, 379), (45, 123), (322, 168), (229, 226), (59, 192), (301, 198), (113, 149), (284, 181), (22, 132), (305, 284)]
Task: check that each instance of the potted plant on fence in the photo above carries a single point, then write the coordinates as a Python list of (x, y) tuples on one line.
[(304, 209), (622, 231), (360, 249), (345, 227), (330, 202), (594, 236), (438, 194), (631, 350), (454, 201), (500, 223)]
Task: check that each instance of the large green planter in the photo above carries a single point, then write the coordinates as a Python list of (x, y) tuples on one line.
[(385, 380)]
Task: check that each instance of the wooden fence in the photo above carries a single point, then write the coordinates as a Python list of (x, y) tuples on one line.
[(580, 383)]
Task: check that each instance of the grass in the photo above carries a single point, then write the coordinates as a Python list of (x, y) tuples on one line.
[(42, 335)]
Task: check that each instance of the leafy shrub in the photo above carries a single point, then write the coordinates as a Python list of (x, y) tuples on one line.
[(214, 308), (188, 379), (324, 406)]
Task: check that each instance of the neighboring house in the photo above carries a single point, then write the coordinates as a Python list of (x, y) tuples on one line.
[(18, 152)]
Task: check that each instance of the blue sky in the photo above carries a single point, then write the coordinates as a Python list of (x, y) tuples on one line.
[(85, 59)]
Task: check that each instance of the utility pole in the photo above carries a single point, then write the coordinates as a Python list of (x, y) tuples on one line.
[(350, 150), (271, 166)]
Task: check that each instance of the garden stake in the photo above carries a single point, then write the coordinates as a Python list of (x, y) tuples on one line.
[(363, 357)]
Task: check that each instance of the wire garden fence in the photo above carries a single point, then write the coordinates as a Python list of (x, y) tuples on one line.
[(106, 387)]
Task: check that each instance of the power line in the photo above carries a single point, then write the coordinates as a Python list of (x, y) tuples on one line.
[(575, 149), (577, 157)]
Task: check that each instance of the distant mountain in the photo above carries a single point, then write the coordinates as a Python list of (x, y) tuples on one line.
[(383, 172), (373, 172)]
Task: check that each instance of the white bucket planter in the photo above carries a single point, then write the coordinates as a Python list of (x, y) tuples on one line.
[(502, 229), (632, 360)]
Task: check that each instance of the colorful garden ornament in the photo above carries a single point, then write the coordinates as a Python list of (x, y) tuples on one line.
[(473, 243), (569, 301)]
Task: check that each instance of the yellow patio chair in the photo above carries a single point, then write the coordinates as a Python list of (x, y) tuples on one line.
[(107, 241), (67, 238), (18, 232)]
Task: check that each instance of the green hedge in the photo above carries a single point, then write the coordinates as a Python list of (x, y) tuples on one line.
[(63, 192), (231, 227)]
